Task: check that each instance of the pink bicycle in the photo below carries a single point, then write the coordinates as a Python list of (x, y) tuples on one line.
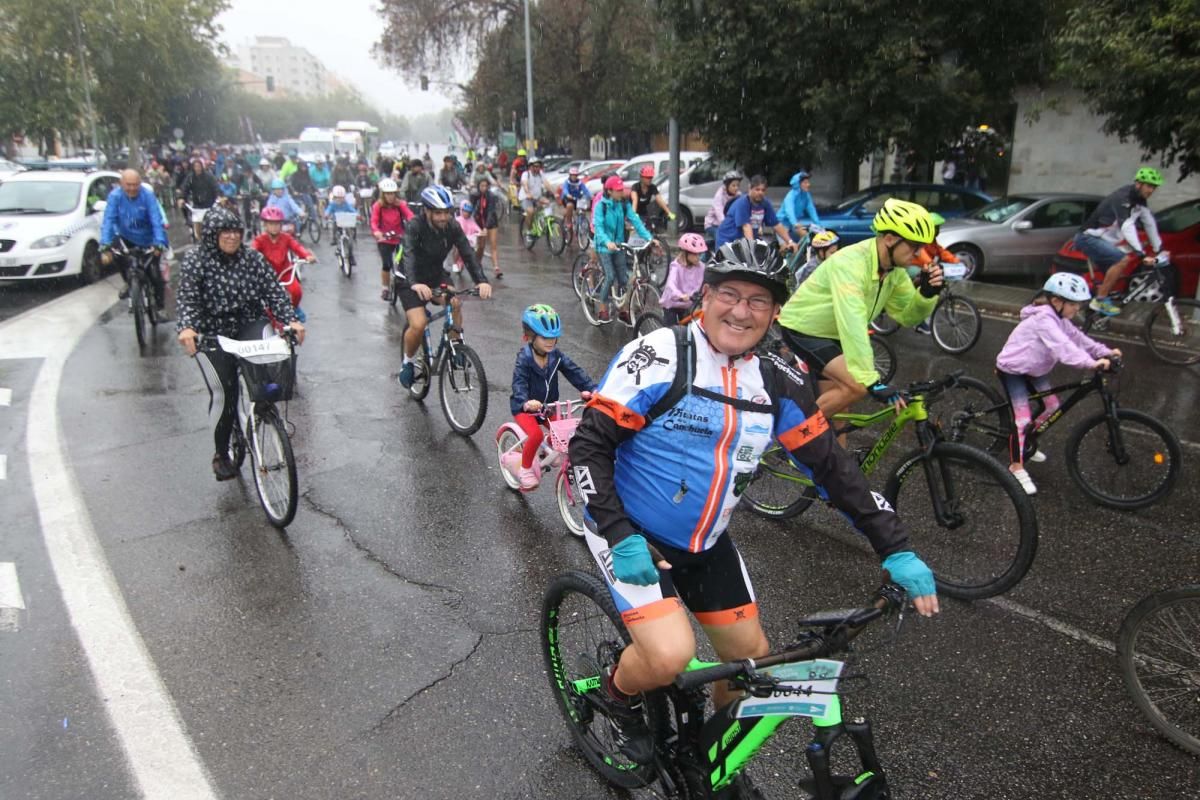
[(562, 419)]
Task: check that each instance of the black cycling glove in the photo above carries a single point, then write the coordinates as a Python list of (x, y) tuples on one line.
[(926, 288)]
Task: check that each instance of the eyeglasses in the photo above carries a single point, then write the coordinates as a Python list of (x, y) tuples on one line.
[(758, 302)]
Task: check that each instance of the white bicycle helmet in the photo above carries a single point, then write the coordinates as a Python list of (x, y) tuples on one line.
[(436, 198), (339, 192), (1068, 286), (387, 185)]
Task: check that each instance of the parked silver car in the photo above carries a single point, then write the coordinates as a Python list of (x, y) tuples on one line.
[(1016, 234), (697, 187)]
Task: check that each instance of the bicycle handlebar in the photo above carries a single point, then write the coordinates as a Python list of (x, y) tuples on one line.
[(839, 629), (934, 387)]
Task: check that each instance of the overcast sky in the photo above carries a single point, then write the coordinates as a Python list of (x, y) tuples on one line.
[(341, 35)]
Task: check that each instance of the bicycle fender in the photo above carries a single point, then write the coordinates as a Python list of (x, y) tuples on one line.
[(511, 426)]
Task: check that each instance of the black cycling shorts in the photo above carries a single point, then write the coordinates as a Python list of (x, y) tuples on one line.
[(815, 351), (408, 297), (713, 584)]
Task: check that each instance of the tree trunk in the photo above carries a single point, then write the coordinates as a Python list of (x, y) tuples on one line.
[(133, 137)]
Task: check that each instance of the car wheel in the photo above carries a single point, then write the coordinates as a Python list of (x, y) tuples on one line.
[(971, 258), (686, 220), (90, 269)]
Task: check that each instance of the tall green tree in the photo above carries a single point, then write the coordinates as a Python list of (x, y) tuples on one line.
[(40, 88), (144, 53), (1137, 64), (850, 76)]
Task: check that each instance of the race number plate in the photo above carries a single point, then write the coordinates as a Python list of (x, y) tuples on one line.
[(806, 689)]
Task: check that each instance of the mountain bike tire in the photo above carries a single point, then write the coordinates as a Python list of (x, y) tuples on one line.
[(555, 239), (1179, 348), (778, 489), (972, 412), (647, 322), (956, 324), (977, 547), (1151, 459), (580, 621), (275, 477), (1160, 662), (463, 390)]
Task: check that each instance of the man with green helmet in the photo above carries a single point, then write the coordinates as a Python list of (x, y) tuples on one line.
[(1115, 221), (825, 321)]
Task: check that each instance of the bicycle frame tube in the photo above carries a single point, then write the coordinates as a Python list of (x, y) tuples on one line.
[(913, 412), (1079, 390)]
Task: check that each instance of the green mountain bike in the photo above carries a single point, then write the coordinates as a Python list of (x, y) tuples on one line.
[(699, 757), (970, 519), (544, 224)]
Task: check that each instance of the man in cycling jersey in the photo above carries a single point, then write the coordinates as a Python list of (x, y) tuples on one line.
[(1115, 222), (570, 193), (428, 239), (662, 464), (750, 214), (131, 212), (825, 321)]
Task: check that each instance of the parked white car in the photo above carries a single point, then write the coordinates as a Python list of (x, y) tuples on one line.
[(49, 223), (697, 187), (632, 169)]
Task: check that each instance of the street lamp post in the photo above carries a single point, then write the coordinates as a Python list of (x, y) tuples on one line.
[(528, 75)]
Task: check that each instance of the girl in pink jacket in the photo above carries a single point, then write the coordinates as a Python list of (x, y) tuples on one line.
[(1044, 338)]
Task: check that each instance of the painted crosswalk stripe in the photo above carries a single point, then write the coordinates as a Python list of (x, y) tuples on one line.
[(5, 397), (12, 603)]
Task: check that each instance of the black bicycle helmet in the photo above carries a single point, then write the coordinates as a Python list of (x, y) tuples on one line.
[(756, 262)]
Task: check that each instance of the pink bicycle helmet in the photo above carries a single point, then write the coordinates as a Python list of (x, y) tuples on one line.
[(692, 243), (272, 214), (614, 184)]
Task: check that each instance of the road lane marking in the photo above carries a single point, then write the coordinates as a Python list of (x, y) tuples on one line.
[(1053, 624), (161, 758), (12, 602), (5, 397), (3, 467)]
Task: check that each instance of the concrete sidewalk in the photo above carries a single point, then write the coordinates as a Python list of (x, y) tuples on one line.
[(1007, 301)]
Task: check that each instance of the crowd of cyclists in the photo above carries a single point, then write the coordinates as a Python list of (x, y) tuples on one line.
[(673, 432)]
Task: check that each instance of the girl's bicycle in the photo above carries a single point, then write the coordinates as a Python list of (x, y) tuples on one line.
[(581, 225), (344, 226), (462, 383), (700, 756), (641, 293), (1172, 327), (363, 211), (544, 224), (266, 375), (1118, 457), (971, 520), (561, 418), (1159, 652)]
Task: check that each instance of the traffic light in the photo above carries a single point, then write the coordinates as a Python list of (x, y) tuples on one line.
[(424, 83)]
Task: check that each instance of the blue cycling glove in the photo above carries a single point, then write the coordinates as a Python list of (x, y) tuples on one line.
[(884, 393), (908, 570), (632, 562)]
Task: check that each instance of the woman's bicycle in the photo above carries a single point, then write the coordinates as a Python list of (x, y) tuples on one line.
[(1172, 327), (194, 218), (142, 302), (640, 294), (344, 223), (1118, 457), (266, 375), (462, 383), (310, 224), (544, 224), (974, 524), (561, 418), (955, 323), (1159, 652), (700, 756)]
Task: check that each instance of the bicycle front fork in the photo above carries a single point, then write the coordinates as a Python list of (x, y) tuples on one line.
[(869, 784)]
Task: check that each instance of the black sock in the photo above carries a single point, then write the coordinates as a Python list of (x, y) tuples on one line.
[(610, 686)]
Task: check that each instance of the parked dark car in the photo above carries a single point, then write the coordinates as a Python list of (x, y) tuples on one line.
[(851, 218)]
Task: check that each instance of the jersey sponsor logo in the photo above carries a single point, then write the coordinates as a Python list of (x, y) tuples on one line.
[(881, 502), (761, 399), (686, 422), (606, 563), (746, 453), (787, 369), (642, 358), (756, 428), (583, 479)]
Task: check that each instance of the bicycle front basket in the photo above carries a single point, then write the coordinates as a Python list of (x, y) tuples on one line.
[(268, 365), (561, 431)]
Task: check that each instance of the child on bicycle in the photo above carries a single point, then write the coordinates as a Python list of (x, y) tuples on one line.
[(471, 230), (1044, 338), (275, 245), (535, 385), (684, 278), (932, 253), (338, 203)]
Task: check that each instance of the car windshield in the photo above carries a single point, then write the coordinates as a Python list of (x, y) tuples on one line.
[(853, 200), (38, 197), (1002, 210), (1178, 218)]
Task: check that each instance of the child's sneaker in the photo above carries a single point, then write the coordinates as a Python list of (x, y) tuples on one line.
[(1036, 457), (1026, 482), (529, 479)]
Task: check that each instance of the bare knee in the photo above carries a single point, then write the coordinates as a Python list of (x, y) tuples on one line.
[(663, 663)]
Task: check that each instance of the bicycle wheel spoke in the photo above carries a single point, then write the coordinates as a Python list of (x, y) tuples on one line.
[(1137, 471), (1159, 649)]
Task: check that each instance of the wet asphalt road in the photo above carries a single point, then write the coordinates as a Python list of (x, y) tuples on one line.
[(386, 645)]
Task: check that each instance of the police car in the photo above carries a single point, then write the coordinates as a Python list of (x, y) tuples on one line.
[(50, 223)]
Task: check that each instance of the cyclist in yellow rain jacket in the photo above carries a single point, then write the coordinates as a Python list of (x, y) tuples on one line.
[(825, 322)]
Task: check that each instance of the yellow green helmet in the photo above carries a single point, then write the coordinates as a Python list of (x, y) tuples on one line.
[(907, 220), (1149, 175)]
